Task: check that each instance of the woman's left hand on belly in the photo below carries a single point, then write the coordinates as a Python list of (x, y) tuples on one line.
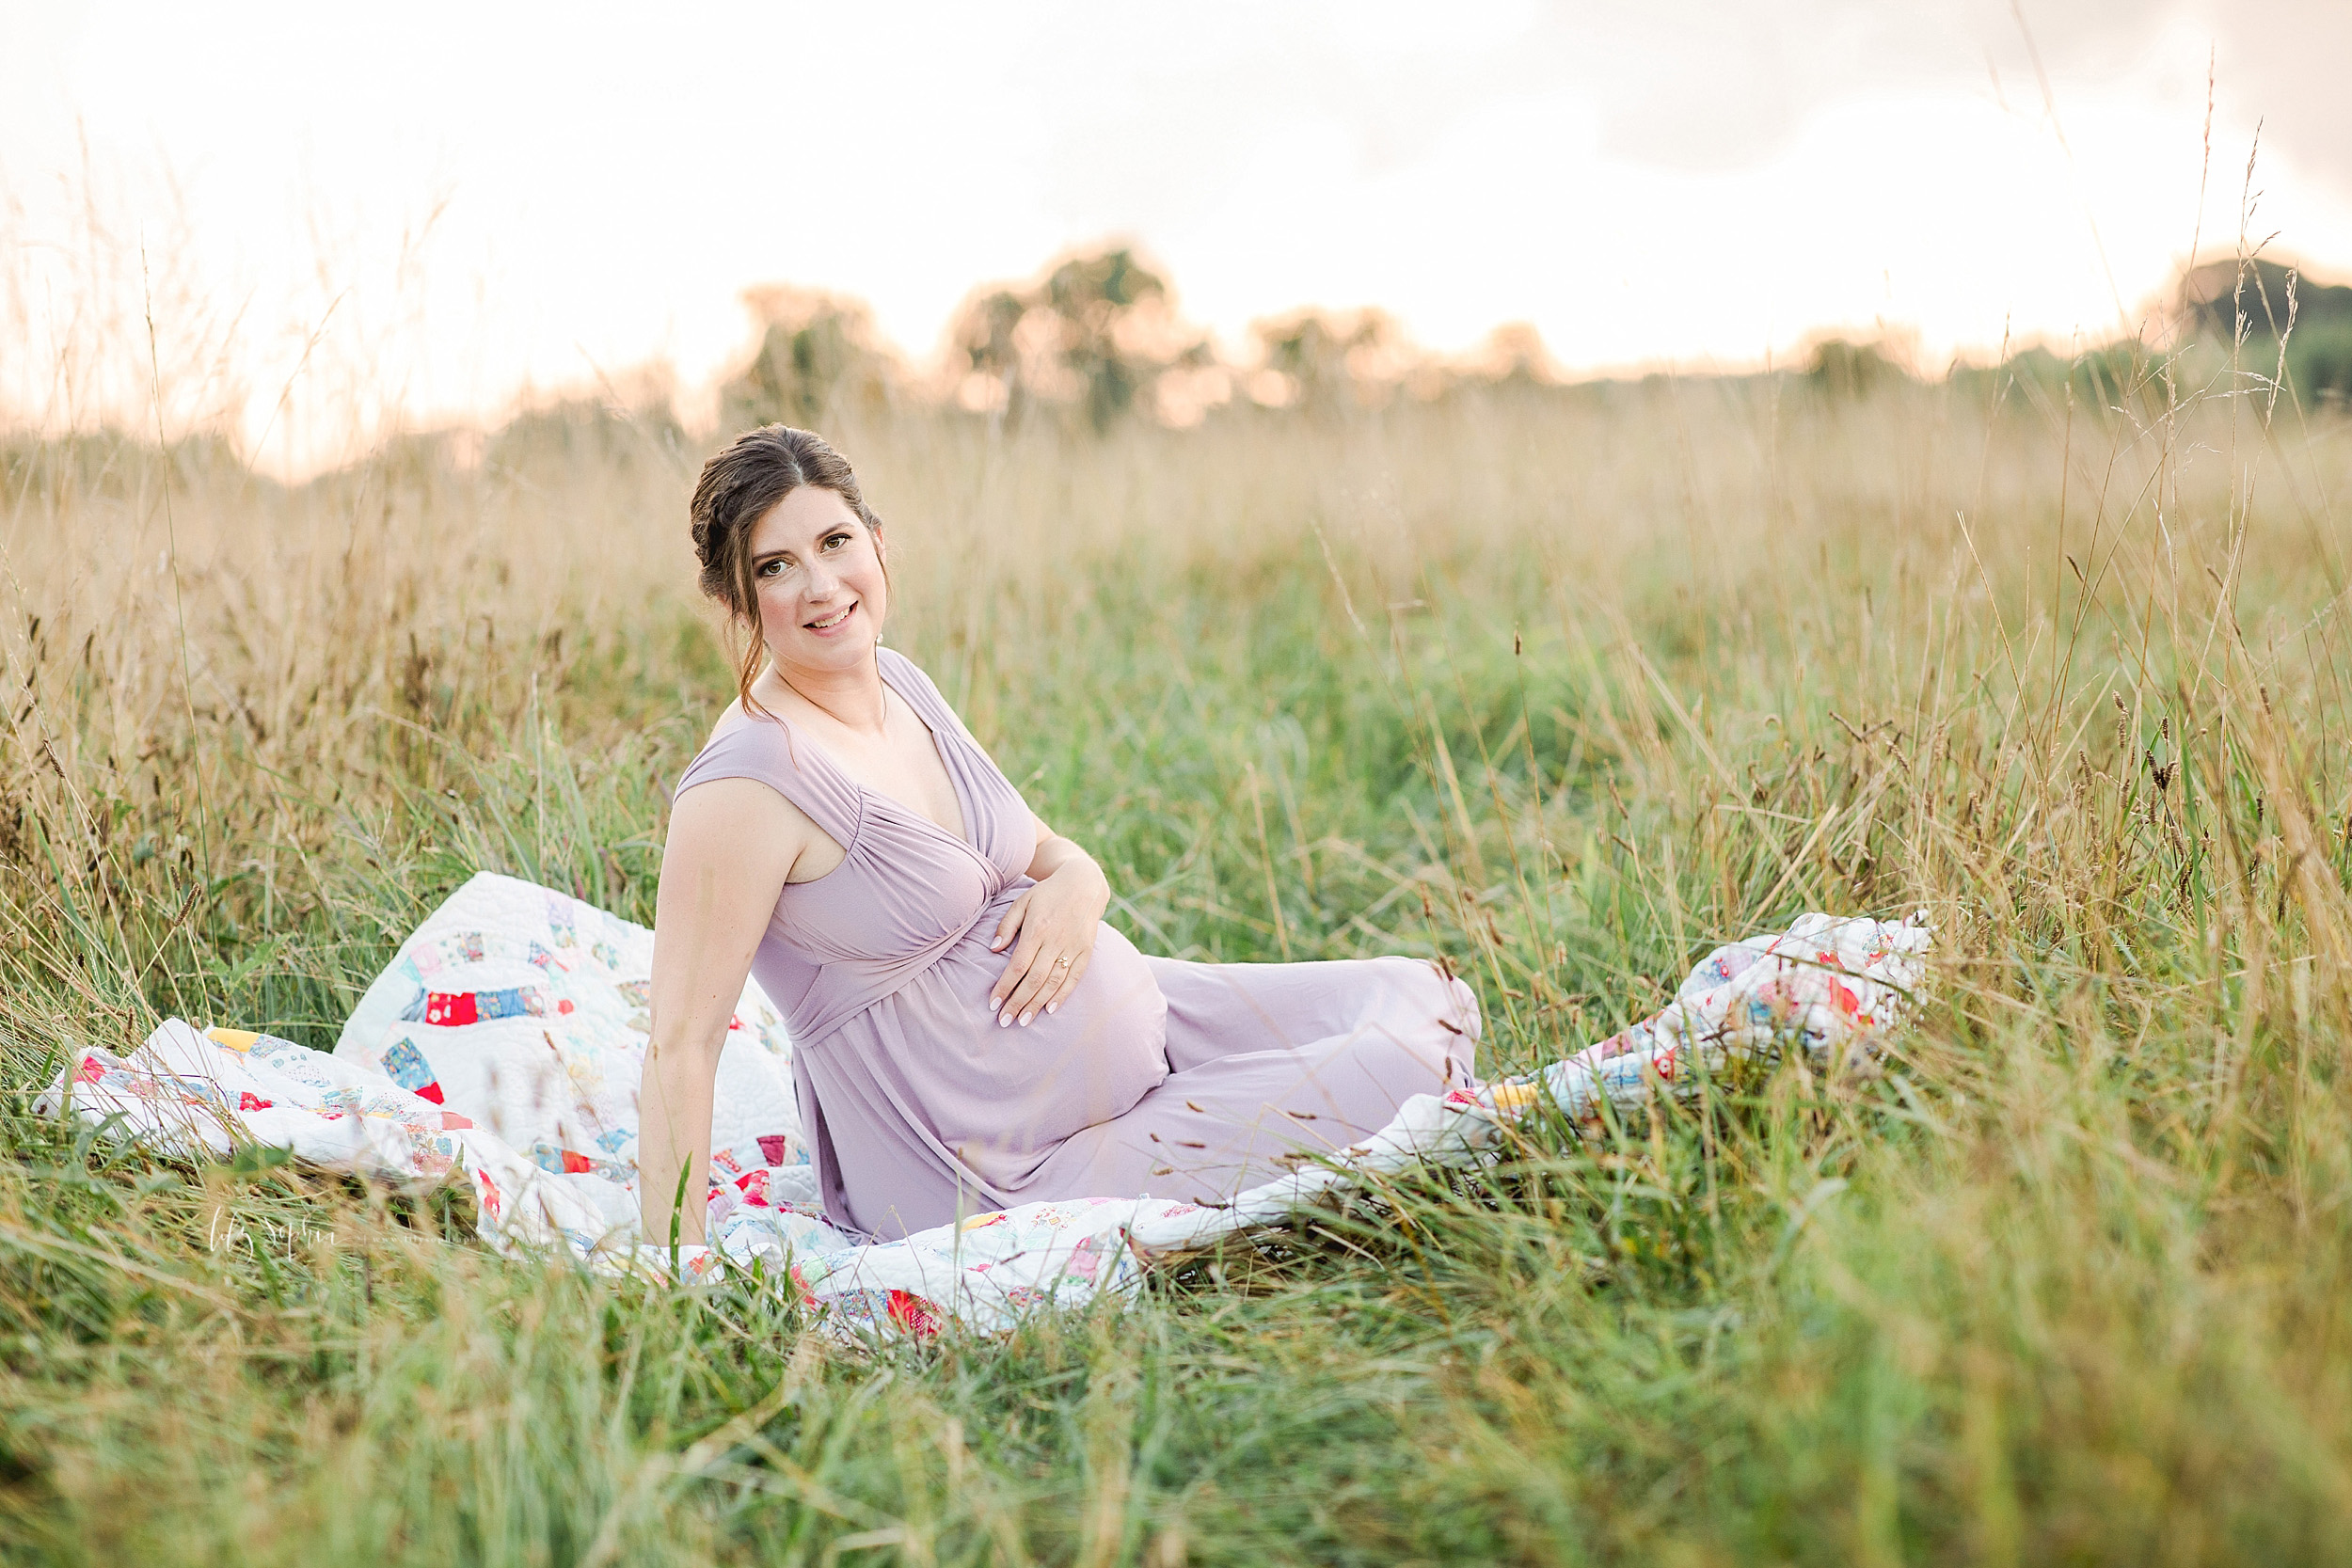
[(1050, 928)]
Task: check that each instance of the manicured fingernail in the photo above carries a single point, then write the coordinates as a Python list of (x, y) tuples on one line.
[(1004, 1019), (1025, 1017), (1052, 1008)]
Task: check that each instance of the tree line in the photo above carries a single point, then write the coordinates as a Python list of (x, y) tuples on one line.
[(1094, 339), (1097, 338)]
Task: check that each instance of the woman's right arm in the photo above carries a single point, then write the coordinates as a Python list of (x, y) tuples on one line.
[(733, 844)]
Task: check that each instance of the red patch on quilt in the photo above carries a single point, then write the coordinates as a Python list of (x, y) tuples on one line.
[(431, 1091), (771, 1148), (576, 1164), (451, 1121), (448, 1008), (914, 1314), (248, 1101)]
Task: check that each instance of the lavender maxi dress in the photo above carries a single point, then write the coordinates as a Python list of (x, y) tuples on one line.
[(1157, 1078)]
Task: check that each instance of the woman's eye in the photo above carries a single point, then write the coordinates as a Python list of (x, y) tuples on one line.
[(834, 541)]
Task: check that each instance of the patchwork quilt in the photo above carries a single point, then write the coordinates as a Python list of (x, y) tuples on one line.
[(503, 1045)]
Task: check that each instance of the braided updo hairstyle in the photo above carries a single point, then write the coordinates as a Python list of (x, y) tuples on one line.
[(739, 486)]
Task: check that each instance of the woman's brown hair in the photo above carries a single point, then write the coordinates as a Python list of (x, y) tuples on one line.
[(739, 486)]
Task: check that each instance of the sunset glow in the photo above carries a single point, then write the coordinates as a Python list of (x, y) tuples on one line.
[(349, 225)]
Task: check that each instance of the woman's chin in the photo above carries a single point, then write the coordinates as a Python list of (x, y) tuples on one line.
[(846, 649)]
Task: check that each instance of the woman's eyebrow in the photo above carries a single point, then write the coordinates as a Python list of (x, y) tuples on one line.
[(765, 556)]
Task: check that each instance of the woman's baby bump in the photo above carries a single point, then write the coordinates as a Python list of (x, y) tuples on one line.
[(1008, 1095)]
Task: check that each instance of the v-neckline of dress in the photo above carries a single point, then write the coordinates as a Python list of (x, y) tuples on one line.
[(866, 794)]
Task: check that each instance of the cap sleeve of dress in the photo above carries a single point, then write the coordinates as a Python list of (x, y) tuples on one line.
[(765, 748)]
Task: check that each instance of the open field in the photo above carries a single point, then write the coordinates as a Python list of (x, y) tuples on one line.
[(1564, 685)]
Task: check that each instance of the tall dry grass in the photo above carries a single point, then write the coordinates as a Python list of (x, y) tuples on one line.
[(1566, 685)]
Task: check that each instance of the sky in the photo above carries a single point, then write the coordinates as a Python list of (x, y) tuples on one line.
[(343, 220)]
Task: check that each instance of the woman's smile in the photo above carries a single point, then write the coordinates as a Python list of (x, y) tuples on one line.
[(825, 626)]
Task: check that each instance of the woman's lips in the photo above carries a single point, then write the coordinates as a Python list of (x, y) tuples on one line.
[(827, 628)]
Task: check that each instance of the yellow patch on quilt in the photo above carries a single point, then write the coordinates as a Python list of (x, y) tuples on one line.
[(235, 1039), (1514, 1096)]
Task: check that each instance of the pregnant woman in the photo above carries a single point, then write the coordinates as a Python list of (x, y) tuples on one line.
[(967, 1033)]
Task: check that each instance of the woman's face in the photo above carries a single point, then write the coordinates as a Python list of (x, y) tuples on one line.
[(818, 575)]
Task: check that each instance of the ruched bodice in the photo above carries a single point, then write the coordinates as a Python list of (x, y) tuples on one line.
[(920, 1106), (907, 888)]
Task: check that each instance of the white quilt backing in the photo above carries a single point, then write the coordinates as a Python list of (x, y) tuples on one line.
[(504, 1046)]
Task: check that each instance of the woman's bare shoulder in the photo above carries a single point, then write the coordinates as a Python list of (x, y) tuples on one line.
[(751, 828), (733, 844)]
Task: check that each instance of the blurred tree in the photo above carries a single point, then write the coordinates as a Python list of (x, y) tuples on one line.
[(627, 427), (2319, 363), (1320, 361), (2263, 302), (1514, 355), (112, 461), (1093, 336), (818, 358), (2121, 375), (1842, 367)]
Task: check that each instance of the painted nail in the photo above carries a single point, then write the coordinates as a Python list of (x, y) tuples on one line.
[(1004, 1019), (1052, 1008), (1025, 1017)]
